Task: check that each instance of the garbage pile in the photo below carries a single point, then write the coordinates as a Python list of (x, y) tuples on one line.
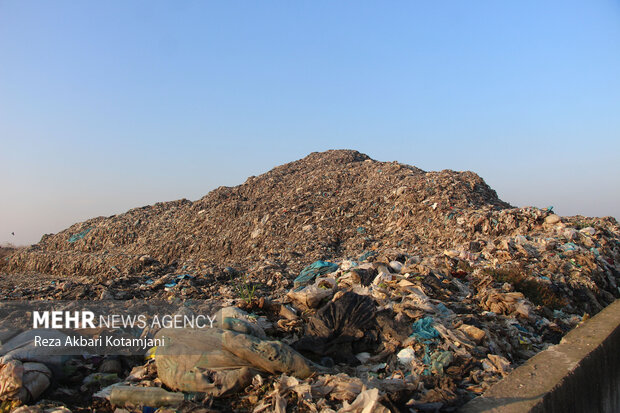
[(327, 205), (349, 285)]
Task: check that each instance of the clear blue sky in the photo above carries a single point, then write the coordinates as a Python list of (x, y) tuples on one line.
[(109, 105)]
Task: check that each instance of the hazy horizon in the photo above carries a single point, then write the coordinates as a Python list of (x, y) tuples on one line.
[(108, 208), (110, 106)]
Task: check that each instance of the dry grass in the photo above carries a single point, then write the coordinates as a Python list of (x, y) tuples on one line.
[(5, 251), (537, 292)]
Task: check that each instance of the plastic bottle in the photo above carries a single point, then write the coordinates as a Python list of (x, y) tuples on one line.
[(145, 396)]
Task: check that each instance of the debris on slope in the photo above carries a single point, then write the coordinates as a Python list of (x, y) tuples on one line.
[(399, 289), (326, 205)]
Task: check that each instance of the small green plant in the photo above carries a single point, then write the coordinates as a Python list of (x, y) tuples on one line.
[(581, 224), (243, 288)]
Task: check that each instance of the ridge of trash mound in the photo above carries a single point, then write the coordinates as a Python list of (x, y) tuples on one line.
[(325, 205)]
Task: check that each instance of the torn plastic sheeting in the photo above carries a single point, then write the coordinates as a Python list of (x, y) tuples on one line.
[(382, 278), (276, 400), (235, 319), (443, 310), (454, 336), (440, 360), (308, 274), (270, 356), (342, 328), (423, 329), (367, 255), (221, 362), (339, 387), (22, 347), (569, 246), (366, 402), (178, 278), (76, 237), (23, 381), (436, 361), (242, 326), (311, 296), (357, 276), (588, 230)]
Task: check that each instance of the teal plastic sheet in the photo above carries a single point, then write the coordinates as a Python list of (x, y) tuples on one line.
[(423, 329), (308, 274), (79, 235)]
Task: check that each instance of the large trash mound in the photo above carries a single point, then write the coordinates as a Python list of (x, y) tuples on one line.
[(348, 285), (327, 205)]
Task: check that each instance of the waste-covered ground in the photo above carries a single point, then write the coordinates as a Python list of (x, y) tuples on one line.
[(398, 289)]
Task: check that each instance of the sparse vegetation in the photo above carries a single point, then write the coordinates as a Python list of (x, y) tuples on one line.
[(581, 224), (244, 289)]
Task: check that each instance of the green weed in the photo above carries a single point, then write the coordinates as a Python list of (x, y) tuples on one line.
[(243, 288)]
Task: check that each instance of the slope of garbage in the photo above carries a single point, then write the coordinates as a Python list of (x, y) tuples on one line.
[(327, 205), (346, 283)]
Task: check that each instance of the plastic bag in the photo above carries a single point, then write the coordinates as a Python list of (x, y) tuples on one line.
[(23, 381)]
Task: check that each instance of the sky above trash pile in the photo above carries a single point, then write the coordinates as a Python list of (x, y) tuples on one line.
[(105, 106)]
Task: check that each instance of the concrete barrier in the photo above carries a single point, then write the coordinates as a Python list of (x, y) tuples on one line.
[(581, 374)]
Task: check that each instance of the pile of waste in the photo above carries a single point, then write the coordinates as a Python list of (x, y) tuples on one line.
[(346, 284), (327, 205)]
